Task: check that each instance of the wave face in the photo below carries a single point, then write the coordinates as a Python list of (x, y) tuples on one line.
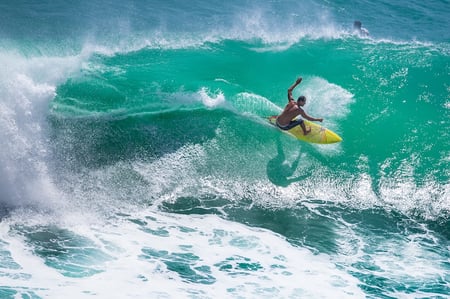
[(137, 159)]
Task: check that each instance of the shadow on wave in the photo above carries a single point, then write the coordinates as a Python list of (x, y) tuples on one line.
[(98, 142)]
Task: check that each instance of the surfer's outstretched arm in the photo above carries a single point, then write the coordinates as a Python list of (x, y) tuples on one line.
[(306, 116), (290, 89)]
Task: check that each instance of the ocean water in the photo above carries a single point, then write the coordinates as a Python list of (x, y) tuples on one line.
[(136, 161)]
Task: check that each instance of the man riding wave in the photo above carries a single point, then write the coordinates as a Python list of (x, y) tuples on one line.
[(287, 119)]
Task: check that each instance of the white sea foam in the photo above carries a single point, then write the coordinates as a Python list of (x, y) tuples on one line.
[(151, 253), (211, 99), (27, 86), (325, 99), (214, 257), (398, 257)]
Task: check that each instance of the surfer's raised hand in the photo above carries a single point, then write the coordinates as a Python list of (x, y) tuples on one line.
[(291, 88)]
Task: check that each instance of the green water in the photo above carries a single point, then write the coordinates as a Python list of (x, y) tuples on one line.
[(391, 113)]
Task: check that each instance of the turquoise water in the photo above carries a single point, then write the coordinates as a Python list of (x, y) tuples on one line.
[(137, 161)]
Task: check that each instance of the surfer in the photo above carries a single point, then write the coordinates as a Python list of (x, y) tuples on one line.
[(286, 120), (361, 31)]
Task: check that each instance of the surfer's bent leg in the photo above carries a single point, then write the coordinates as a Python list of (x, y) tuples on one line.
[(305, 131), (293, 123)]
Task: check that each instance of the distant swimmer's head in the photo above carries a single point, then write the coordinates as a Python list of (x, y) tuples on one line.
[(358, 29), (301, 100)]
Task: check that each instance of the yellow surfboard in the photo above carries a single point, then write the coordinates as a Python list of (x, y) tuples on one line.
[(318, 133)]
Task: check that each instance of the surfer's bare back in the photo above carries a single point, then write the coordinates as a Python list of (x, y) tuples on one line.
[(286, 120)]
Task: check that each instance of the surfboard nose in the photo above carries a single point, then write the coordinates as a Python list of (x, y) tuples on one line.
[(333, 137)]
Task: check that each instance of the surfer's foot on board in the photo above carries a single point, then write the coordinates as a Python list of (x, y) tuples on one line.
[(306, 131)]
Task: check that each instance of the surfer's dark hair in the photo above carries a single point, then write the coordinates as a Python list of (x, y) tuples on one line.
[(301, 98)]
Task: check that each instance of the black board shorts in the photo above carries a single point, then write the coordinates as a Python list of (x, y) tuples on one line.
[(289, 126)]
